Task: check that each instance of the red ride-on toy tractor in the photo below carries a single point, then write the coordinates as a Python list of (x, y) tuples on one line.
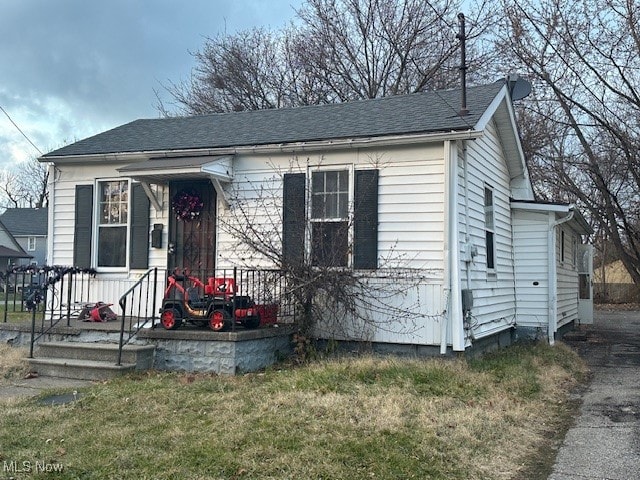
[(187, 299)]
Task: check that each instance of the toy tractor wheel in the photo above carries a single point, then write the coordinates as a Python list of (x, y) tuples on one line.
[(219, 320), (170, 319)]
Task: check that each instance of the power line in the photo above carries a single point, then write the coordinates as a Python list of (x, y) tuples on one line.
[(18, 128)]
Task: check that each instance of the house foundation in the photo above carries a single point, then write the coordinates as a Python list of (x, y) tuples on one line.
[(187, 350)]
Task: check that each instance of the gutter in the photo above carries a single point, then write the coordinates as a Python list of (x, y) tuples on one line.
[(271, 148)]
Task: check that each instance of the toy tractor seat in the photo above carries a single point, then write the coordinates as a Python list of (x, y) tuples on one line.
[(193, 296), (220, 286)]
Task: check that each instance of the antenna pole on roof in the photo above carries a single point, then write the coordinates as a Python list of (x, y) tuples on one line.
[(462, 36)]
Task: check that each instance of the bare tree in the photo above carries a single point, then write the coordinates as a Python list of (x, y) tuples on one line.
[(25, 185), (582, 122), (330, 296), (338, 50)]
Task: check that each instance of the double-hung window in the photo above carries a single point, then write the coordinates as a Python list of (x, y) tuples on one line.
[(111, 229), (113, 218), (489, 229), (340, 209), (330, 218), (31, 244)]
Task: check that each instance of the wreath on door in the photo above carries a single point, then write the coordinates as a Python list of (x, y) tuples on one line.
[(187, 205)]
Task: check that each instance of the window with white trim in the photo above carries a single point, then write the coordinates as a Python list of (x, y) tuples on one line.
[(31, 244), (489, 228), (330, 218), (113, 220), (342, 222)]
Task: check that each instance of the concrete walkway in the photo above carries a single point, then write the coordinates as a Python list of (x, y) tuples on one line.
[(31, 387), (604, 443)]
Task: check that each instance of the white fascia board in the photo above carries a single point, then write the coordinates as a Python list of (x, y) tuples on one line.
[(502, 98), (127, 157), (541, 207), (491, 109)]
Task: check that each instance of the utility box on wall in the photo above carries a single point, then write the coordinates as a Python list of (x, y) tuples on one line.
[(156, 236), (467, 300)]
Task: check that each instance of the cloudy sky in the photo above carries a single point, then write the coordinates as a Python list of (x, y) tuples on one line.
[(72, 68)]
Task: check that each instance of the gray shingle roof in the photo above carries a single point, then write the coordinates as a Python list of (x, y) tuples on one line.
[(25, 221), (396, 115)]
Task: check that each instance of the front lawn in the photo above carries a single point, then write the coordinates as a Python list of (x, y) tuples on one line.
[(362, 418)]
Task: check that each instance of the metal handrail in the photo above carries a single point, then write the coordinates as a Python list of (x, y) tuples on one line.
[(50, 285), (137, 288)]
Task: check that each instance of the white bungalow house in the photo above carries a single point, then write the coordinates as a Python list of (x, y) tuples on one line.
[(399, 183)]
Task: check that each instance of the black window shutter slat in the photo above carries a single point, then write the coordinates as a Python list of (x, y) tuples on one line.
[(293, 217), (365, 221), (139, 253), (83, 228)]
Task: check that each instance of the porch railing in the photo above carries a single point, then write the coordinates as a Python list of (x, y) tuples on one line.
[(138, 308), (54, 296), (48, 295), (267, 289)]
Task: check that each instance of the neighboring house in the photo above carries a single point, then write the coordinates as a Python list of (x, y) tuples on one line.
[(446, 196), (11, 253), (613, 284), (29, 227)]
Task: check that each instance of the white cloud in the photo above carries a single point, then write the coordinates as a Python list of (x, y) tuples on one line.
[(73, 68)]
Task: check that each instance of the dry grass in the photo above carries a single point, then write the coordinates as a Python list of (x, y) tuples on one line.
[(13, 363), (349, 418)]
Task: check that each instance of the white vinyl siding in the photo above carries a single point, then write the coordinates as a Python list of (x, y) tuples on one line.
[(530, 231), (410, 194), (410, 225), (567, 278), (493, 292)]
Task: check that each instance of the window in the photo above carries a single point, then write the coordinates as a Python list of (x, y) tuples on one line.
[(113, 217), (330, 218), (31, 244), (489, 228), (562, 246), (333, 239)]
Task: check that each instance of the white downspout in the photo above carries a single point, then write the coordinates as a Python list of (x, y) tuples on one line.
[(552, 299), (51, 188), (453, 247), (467, 235), (446, 282)]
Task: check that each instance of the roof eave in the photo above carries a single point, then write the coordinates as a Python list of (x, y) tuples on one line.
[(358, 142), (557, 209)]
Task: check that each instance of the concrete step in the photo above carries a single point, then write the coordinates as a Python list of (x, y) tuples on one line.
[(89, 361), (139, 355), (78, 369)]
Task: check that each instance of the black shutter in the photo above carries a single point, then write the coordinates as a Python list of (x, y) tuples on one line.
[(365, 221), (83, 228), (293, 218), (139, 241)]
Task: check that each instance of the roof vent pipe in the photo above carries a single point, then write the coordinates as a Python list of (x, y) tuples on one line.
[(462, 36)]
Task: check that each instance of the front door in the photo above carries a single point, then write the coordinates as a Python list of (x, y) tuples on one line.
[(585, 284), (192, 226)]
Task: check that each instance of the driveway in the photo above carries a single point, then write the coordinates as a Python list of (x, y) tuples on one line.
[(604, 443)]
